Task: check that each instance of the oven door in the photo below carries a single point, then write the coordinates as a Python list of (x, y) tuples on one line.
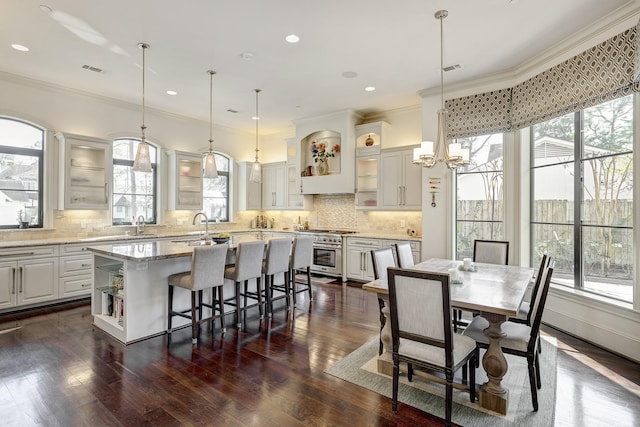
[(327, 260)]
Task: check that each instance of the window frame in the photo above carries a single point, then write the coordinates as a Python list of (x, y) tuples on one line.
[(226, 173), (30, 152)]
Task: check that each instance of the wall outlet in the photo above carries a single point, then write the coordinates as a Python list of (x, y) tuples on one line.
[(402, 223)]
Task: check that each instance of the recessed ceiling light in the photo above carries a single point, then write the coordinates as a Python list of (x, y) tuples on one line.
[(172, 92), (349, 74), (246, 56), (292, 38), (370, 88), (20, 47), (255, 118)]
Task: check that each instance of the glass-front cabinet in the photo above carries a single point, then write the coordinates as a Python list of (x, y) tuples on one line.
[(185, 181), (369, 137), (85, 172)]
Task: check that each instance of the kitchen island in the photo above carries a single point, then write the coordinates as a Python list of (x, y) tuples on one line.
[(129, 298)]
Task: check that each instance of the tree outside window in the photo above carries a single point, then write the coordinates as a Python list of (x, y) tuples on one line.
[(216, 191)]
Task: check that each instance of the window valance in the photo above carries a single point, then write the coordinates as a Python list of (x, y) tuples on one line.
[(605, 72)]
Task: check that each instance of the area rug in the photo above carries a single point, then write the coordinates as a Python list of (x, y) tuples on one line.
[(360, 368)]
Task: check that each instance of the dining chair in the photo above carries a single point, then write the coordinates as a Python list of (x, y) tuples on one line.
[(207, 271), (491, 251), (520, 339), (404, 254), (248, 266), (301, 260), (276, 264), (382, 260), (422, 331)]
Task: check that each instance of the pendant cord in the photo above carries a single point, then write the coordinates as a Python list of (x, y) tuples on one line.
[(211, 73), (257, 120), (144, 47)]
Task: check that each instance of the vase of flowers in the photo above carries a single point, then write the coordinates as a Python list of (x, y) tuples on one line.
[(321, 154)]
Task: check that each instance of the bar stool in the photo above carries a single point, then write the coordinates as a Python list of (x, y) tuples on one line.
[(277, 261), (301, 260), (248, 266), (207, 271)]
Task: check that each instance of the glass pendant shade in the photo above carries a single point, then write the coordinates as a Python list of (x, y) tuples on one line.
[(210, 169), (142, 162), (256, 172)]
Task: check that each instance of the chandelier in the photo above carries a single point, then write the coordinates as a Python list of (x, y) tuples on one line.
[(430, 153)]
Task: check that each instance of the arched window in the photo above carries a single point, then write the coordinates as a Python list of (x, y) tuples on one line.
[(21, 174), (134, 193), (216, 191)]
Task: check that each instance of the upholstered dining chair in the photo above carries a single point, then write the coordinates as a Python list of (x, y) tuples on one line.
[(382, 260), (207, 271), (525, 312), (404, 254), (491, 251), (422, 331), (276, 264), (521, 339), (248, 266), (301, 260)]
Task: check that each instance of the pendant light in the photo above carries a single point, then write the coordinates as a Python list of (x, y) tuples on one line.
[(428, 154), (210, 169), (142, 162), (256, 168)]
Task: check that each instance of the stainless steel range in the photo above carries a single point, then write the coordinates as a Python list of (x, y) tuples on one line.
[(327, 252)]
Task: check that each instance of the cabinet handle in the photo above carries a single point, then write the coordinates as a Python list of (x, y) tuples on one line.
[(399, 198), (404, 195), (85, 265), (85, 285), (20, 254), (13, 275), (21, 272), (361, 258)]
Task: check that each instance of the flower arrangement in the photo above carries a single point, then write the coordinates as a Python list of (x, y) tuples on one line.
[(320, 151)]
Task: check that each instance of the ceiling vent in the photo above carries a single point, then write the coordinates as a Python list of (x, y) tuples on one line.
[(452, 67), (231, 110), (90, 68)]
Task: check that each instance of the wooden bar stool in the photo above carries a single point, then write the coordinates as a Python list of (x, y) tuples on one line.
[(248, 266), (277, 262), (301, 260), (207, 271)]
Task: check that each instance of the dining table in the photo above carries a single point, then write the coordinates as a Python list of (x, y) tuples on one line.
[(493, 291)]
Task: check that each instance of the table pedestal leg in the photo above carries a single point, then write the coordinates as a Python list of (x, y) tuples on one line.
[(385, 360), (492, 394)]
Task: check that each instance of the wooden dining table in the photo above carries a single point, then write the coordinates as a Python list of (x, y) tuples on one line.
[(494, 291)]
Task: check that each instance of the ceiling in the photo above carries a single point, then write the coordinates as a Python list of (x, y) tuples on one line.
[(391, 45)]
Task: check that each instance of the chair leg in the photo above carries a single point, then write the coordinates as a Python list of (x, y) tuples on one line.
[(200, 293), (537, 366), (170, 310), (464, 372), (532, 382), (194, 319), (309, 283), (448, 398), (294, 287), (455, 320), (472, 380), (268, 290), (409, 372), (221, 305), (287, 290), (383, 320), (238, 318), (396, 375)]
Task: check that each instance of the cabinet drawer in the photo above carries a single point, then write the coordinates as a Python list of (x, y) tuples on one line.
[(28, 252), (367, 243), (74, 265), (73, 249), (77, 285)]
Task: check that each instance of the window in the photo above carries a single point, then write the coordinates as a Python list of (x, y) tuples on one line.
[(21, 173), (134, 193), (479, 198), (216, 191), (582, 191)]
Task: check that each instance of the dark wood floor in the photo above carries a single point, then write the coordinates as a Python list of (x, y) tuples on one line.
[(56, 369)]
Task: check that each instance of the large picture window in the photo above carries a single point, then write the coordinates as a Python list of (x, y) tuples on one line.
[(21, 172), (134, 193), (582, 197), (216, 191), (479, 195)]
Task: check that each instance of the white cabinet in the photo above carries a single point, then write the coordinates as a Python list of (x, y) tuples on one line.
[(85, 172), (359, 261), (249, 193), (401, 186), (415, 249), (185, 181), (369, 139), (75, 268), (296, 200), (28, 275), (273, 185)]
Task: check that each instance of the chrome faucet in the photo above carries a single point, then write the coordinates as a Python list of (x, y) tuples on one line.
[(206, 224), (140, 225)]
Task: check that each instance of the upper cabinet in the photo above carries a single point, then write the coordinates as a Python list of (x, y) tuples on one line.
[(249, 193), (369, 138), (273, 185), (401, 186), (327, 153), (184, 181), (85, 172)]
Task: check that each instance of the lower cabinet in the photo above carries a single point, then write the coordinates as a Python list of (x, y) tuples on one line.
[(359, 261), (415, 249), (26, 278), (76, 266)]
